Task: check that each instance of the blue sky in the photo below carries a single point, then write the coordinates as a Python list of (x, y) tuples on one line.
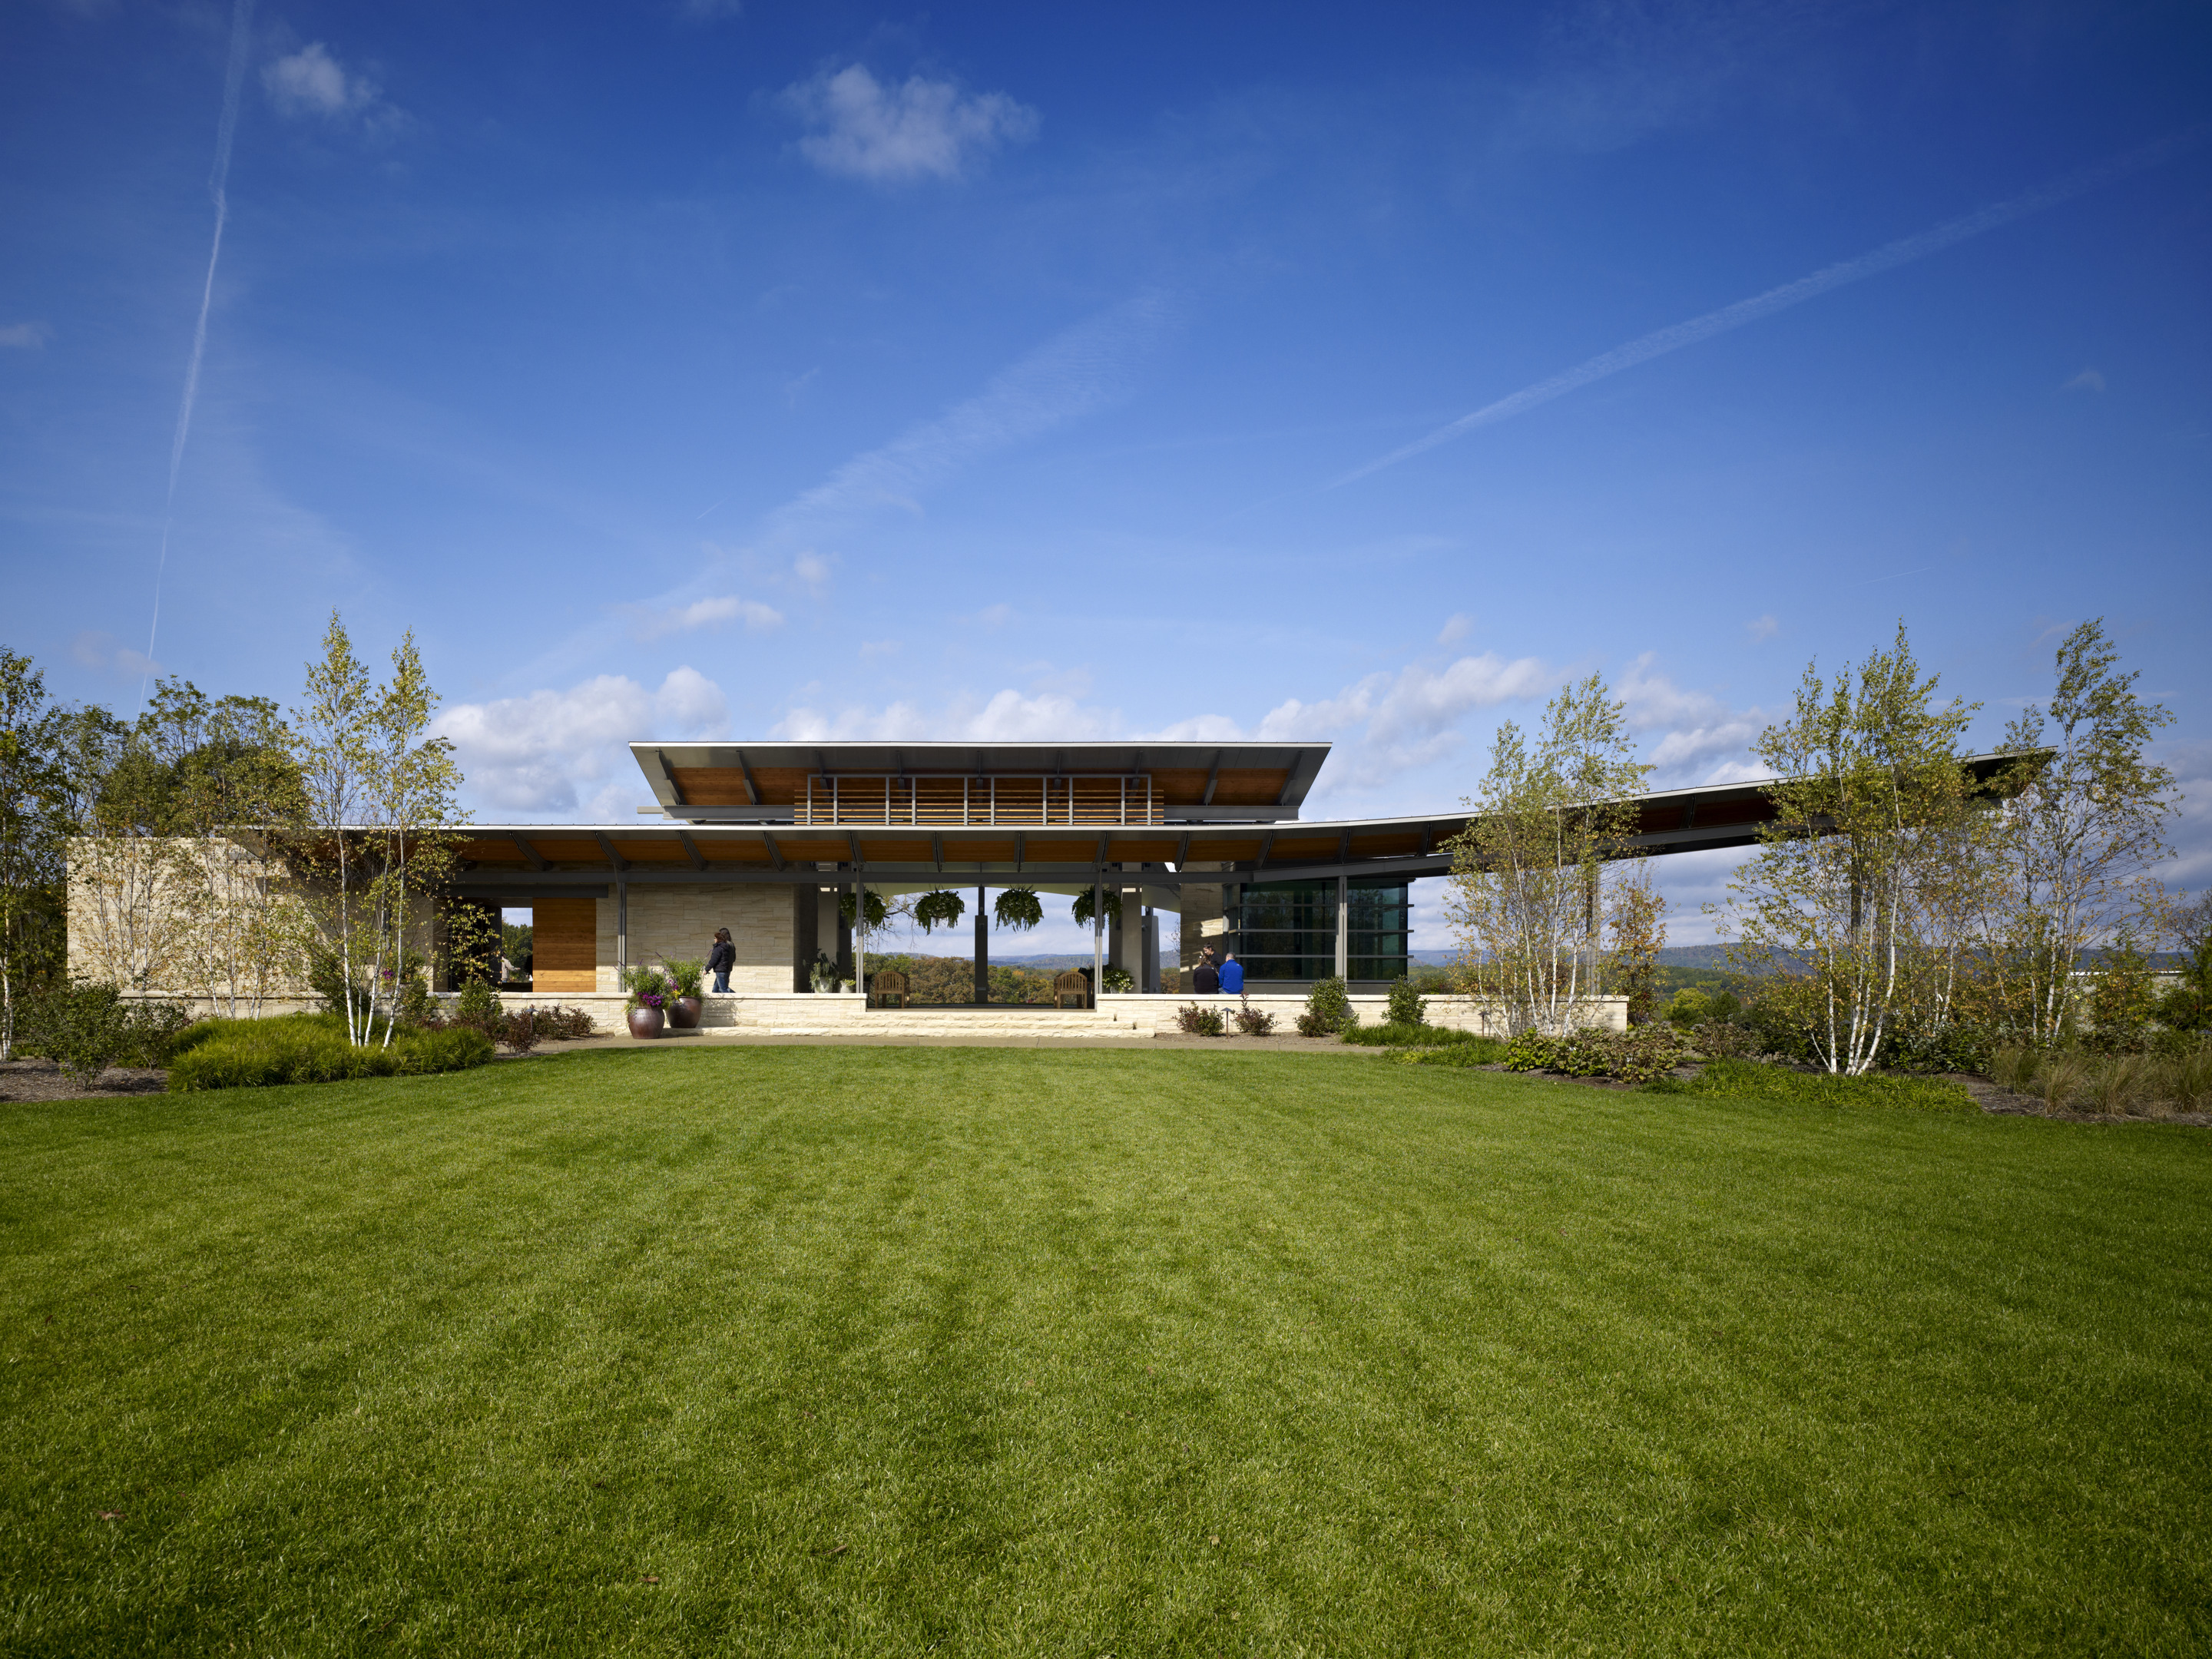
[(693, 369)]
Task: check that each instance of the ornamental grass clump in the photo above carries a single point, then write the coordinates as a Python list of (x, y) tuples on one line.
[(259, 1053)]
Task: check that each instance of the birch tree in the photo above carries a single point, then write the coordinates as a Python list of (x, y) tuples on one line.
[(1527, 893), (2083, 825), (32, 869), (1845, 902), (332, 745)]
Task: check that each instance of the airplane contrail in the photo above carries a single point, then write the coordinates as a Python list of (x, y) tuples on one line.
[(1903, 252), (219, 188)]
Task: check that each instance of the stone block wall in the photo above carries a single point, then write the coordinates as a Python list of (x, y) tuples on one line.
[(672, 922)]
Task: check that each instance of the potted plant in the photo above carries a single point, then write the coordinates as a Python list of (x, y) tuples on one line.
[(648, 1000), (822, 976), (1016, 910), (684, 980)]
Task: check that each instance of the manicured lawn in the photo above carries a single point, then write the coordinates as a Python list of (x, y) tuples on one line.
[(958, 1352)]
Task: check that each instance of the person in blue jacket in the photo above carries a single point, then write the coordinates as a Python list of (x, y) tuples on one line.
[(1232, 976)]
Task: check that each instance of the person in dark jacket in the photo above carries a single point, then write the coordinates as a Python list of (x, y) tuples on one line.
[(1206, 979), (721, 959)]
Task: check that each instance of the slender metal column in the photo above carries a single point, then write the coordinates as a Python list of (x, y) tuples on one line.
[(1097, 937), (982, 950), (1343, 929), (621, 929), (860, 936)]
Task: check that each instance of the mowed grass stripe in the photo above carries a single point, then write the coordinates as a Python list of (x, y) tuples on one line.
[(1014, 1352)]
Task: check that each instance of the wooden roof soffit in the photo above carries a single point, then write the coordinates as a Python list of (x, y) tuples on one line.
[(608, 848), (691, 849), (1266, 846), (1212, 777), (531, 854)]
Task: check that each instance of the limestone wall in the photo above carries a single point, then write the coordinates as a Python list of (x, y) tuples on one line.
[(675, 923)]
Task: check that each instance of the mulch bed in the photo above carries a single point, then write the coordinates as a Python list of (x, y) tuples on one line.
[(42, 1080)]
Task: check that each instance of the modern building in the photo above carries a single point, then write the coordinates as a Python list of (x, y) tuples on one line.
[(767, 838)]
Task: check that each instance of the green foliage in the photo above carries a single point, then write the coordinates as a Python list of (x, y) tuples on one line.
[(477, 1009), (1391, 1035), (1252, 1022), (259, 1053), (1200, 1022), (1328, 1008), (878, 912), (1119, 982), (88, 1025), (1723, 1039), (1474, 1052), (2120, 1000), (1018, 909), (1082, 909), (1744, 1079), (33, 832), (1637, 1055), (1407, 1006), (685, 977), (942, 909), (647, 986), (1956, 1046)]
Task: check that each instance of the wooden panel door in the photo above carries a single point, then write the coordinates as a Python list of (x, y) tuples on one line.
[(564, 945)]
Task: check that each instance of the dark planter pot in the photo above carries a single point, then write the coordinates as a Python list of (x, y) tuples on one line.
[(645, 1022), (684, 1014)]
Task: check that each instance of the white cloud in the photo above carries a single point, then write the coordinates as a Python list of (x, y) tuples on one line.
[(865, 129), (311, 83), (1700, 738), (108, 655), (659, 623), (1762, 627), (2088, 380), (25, 336), (1455, 629), (812, 569), (1008, 717), (529, 754)]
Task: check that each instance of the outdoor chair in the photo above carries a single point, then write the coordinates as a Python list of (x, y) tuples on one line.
[(888, 982), (1071, 984)]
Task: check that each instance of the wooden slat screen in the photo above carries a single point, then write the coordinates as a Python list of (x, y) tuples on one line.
[(564, 945), (977, 802)]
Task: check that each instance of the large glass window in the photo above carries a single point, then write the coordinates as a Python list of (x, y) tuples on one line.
[(1287, 929)]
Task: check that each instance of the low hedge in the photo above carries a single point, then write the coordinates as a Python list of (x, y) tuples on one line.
[(1638, 1055), (1738, 1079), (259, 1053), (1397, 1035)]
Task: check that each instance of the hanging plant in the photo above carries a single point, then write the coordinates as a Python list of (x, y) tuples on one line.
[(940, 909), (1112, 904), (1018, 909), (878, 912)]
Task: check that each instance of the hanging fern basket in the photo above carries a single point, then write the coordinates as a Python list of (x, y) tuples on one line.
[(1083, 911), (1018, 910), (878, 912), (940, 909)]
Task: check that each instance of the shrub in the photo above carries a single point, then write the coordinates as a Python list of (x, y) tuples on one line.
[(1689, 1006), (1328, 1005), (1954, 1047), (685, 978), (1253, 1022), (477, 1009), (254, 1053), (559, 1024), (1638, 1055), (88, 1025), (519, 1030), (1199, 1022), (1408, 1005), (1747, 1079), (1721, 1039)]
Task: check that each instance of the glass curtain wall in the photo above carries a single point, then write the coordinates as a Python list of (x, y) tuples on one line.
[(1287, 929)]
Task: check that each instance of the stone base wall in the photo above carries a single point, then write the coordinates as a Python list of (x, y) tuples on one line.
[(677, 924)]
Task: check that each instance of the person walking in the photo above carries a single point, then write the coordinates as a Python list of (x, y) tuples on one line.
[(1232, 976), (721, 959)]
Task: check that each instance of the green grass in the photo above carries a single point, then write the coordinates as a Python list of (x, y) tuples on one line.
[(973, 1351)]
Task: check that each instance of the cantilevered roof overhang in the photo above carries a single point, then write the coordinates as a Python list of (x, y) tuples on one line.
[(551, 858), (769, 782)]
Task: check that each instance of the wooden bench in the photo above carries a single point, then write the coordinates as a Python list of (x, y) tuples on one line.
[(1071, 984), (888, 982)]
